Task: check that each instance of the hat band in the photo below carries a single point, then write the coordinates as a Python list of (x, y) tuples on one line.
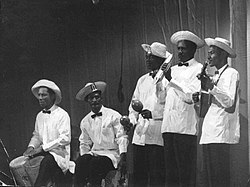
[(93, 87)]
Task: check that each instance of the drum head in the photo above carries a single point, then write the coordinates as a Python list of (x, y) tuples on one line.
[(19, 161)]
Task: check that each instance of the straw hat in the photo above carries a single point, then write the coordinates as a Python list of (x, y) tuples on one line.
[(223, 44), (48, 84), (156, 49), (90, 88), (187, 35)]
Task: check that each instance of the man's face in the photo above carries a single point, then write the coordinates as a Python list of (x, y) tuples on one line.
[(95, 101), (215, 56), (46, 99), (186, 50), (153, 62)]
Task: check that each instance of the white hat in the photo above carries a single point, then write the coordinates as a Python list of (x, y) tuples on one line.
[(156, 49), (89, 88), (187, 35), (49, 84), (223, 44)]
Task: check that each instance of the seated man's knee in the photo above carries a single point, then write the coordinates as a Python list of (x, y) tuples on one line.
[(48, 159), (83, 159)]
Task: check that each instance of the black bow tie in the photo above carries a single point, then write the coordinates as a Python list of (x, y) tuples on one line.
[(97, 114), (46, 111), (152, 74), (183, 64)]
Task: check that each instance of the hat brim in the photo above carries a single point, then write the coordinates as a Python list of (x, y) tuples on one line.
[(186, 35), (86, 90), (49, 84), (148, 49), (228, 49)]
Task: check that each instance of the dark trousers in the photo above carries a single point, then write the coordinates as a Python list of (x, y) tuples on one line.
[(216, 159), (149, 168), (180, 159), (91, 169), (48, 170)]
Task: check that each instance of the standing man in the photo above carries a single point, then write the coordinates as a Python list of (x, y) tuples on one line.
[(103, 141), (221, 126), (52, 134), (179, 120), (149, 168)]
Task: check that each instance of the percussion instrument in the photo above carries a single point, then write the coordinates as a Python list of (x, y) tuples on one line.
[(125, 122), (26, 170), (137, 105)]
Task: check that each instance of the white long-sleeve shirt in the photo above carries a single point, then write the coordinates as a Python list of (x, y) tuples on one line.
[(103, 135), (220, 126), (152, 97), (53, 132), (179, 114)]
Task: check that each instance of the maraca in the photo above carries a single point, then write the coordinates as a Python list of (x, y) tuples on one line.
[(137, 105), (125, 122)]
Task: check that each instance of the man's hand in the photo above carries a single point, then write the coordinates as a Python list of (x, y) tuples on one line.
[(28, 151), (206, 83), (146, 114), (37, 151), (195, 97), (122, 165), (33, 152), (128, 127)]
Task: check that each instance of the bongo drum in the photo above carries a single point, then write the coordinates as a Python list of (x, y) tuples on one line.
[(26, 170)]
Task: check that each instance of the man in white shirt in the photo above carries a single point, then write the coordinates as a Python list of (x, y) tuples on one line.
[(52, 134), (148, 153), (103, 141), (179, 119), (221, 128)]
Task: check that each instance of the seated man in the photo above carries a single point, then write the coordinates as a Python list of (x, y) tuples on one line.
[(51, 137), (103, 141)]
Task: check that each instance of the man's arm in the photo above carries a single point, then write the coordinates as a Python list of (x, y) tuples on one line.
[(122, 141), (225, 93), (133, 115), (35, 142), (84, 139)]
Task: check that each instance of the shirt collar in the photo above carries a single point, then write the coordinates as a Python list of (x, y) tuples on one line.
[(190, 62), (222, 68), (91, 112), (51, 109)]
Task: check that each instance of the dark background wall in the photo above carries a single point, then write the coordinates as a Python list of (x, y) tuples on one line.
[(73, 42)]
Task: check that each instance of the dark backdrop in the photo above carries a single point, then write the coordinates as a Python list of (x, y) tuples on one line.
[(73, 42)]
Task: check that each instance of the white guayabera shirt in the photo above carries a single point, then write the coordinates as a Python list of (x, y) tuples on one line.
[(53, 132), (179, 114), (103, 135), (221, 125), (152, 97)]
